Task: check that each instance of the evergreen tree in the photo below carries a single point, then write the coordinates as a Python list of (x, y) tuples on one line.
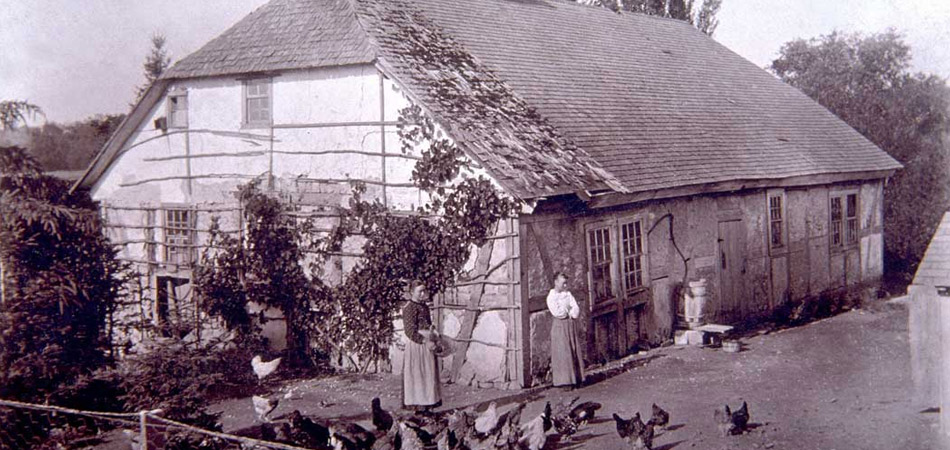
[(155, 64)]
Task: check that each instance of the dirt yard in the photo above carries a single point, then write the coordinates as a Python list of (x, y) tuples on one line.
[(840, 383)]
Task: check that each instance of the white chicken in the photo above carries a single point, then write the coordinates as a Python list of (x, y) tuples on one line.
[(264, 406), (263, 369), (487, 420)]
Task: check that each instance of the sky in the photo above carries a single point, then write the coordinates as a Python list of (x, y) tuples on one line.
[(77, 58)]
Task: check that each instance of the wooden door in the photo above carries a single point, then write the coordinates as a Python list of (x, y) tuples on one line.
[(731, 269), (606, 318)]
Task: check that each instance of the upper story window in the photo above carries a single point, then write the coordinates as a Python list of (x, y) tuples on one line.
[(844, 220), (776, 207), (257, 102), (178, 110), (179, 236)]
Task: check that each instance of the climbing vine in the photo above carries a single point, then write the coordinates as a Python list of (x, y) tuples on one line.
[(353, 319)]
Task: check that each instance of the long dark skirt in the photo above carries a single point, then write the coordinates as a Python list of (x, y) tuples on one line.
[(566, 362), (420, 376)]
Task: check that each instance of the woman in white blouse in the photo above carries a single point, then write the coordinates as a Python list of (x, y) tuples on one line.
[(566, 362)]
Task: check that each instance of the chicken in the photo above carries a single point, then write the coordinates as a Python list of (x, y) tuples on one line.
[(308, 433), (389, 441), (534, 432), (583, 413), (627, 428), (452, 437), (723, 419), (427, 427), (659, 418), (351, 437), (509, 433), (487, 420), (283, 433), (642, 439), (264, 406), (732, 422), (740, 418), (563, 418), (382, 420), (268, 432), (409, 439), (263, 369)]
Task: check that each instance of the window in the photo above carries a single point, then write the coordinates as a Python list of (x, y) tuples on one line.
[(257, 102), (600, 264), (631, 236), (171, 292), (617, 259), (776, 204), (179, 232), (844, 220), (178, 110)]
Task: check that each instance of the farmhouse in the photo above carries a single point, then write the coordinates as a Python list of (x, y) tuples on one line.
[(644, 155)]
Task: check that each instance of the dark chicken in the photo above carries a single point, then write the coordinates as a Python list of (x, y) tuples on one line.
[(740, 418), (659, 417), (382, 420), (308, 433), (732, 422), (583, 413)]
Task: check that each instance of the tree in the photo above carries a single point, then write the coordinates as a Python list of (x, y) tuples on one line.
[(14, 112), (72, 146), (865, 81), (59, 280), (704, 19), (155, 64)]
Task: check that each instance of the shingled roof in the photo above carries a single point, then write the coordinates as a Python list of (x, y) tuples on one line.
[(282, 34), (655, 102), (934, 269)]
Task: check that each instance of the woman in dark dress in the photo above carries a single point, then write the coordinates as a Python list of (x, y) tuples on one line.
[(420, 370)]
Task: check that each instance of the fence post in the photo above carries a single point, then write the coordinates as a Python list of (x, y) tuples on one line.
[(144, 433)]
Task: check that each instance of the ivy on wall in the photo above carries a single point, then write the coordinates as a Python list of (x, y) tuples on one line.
[(280, 260)]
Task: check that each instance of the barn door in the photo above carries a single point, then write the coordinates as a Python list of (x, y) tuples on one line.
[(731, 269)]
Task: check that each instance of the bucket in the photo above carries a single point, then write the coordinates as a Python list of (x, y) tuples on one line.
[(695, 302)]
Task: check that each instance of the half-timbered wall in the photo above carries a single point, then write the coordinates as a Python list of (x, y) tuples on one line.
[(717, 235), (328, 127)]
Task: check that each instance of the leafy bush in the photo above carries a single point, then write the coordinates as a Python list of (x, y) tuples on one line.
[(175, 378), (60, 279)]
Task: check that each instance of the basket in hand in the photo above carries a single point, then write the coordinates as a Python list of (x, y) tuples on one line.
[(441, 346)]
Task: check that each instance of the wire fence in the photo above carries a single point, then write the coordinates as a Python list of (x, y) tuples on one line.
[(31, 426)]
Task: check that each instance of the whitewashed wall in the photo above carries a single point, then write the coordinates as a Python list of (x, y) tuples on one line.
[(329, 125)]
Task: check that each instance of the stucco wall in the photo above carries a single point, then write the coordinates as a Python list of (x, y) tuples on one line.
[(770, 277), (329, 126)]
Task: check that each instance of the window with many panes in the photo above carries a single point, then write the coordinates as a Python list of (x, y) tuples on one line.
[(179, 236), (178, 110), (257, 102), (634, 259), (598, 242), (776, 206), (844, 220), (617, 259)]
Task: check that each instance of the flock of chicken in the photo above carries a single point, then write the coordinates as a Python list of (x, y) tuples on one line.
[(459, 429), (463, 429)]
